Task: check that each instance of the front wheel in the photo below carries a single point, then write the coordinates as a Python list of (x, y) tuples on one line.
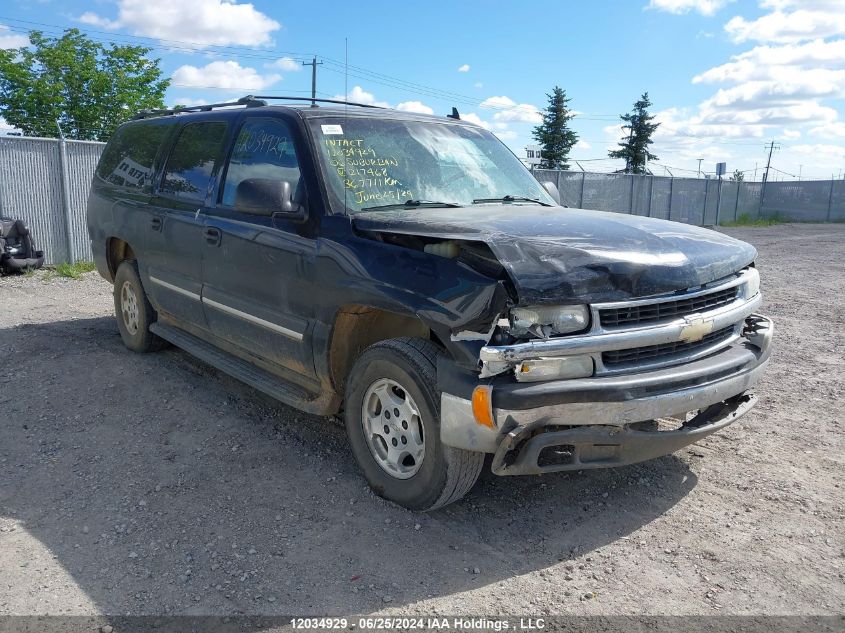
[(393, 423), (133, 310)]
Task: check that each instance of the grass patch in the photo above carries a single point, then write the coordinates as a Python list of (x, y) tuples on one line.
[(75, 270), (745, 219)]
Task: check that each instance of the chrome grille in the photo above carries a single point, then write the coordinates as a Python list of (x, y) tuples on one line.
[(651, 353), (634, 315)]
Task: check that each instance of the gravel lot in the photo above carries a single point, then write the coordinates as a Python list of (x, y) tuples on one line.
[(153, 484)]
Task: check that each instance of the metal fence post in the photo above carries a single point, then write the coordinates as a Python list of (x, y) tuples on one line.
[(671, 190), (581, 199), (704, 210), (718, 203), (830, 200), (65, 182), (650, 193), (557, 181), (736, 204), (631, 206)]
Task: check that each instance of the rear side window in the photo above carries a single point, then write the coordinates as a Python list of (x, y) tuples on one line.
[(264, 150), (127, 160), (188, 170)]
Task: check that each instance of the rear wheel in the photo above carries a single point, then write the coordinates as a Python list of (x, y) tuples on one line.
[(133, 310), (393, 423)]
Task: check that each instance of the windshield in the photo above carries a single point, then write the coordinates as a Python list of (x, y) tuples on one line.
[(372, 163)]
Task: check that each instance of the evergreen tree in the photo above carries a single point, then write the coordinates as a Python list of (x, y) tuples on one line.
[(87, 87), (738, 176), (634, 148), (554, 134)]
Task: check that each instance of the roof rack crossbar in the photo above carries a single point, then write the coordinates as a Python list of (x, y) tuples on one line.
[(250, 101), (310, 100)]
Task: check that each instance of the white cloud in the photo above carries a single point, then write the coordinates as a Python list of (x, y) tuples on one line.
[(92, 19), (415, 106), (509, 110), (704, 7), (472, 117), (188, 101), (821, 150), (808, 20), (286, 64), (768, 62), (834, 128), (359, 95), (582, 145), (9, 39), (464, 68), (478, 84), (507, 135), (774, 89), (204, 22), (228, 75)]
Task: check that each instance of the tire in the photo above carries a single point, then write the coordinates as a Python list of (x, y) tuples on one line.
[(405, 367), (133, 310)]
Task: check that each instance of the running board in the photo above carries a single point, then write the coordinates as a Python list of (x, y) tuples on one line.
[(257, 378)]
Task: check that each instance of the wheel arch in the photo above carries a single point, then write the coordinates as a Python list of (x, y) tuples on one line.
[(117, 251), (356, 327)]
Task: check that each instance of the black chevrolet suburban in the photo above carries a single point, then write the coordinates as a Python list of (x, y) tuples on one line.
[(408, 271)]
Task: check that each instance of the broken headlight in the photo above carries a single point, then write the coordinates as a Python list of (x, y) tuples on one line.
[(545, 321), (753, 284)]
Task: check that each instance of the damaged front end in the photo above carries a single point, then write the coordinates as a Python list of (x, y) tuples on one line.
[(582, 344)]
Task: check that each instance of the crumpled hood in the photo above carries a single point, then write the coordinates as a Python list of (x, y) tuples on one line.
[(554, 254)]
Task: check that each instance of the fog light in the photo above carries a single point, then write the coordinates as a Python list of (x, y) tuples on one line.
[(554, 368)]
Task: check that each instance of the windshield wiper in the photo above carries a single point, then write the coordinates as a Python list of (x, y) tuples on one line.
[(511, 199), (412, 204)]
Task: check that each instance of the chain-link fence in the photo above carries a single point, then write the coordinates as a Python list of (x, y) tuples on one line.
[(45, 182), (702, 201)]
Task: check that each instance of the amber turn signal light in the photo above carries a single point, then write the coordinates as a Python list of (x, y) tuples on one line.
[(482, 405)]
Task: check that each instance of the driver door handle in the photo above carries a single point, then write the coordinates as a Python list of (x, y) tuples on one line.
[(212, 236)]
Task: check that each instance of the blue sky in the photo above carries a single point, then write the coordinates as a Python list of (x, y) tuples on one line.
[(725, 76)]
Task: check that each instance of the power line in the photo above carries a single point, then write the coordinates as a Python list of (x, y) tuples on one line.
[(355, 71)]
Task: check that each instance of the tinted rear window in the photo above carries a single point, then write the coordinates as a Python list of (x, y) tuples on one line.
[(127, 160), (191, 162)]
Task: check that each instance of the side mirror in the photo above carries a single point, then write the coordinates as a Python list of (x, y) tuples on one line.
[(269, 197), (551, 189)]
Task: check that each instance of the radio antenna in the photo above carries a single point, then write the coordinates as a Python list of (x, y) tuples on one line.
[(345, 111)]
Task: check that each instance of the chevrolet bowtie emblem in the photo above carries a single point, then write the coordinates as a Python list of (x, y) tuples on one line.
[(697, 328)]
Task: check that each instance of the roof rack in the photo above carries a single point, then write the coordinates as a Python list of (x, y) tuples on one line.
[(249, 101), (315, 101)]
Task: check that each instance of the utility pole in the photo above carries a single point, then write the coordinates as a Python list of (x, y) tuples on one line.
[(769, 161), (800, 167), (699, 166), (766, 178), (314, 63)]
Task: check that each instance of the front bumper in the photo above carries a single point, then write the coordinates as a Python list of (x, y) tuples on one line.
[(592, 417)]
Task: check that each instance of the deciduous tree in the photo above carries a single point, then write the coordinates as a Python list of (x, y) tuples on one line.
[(85, 86)]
